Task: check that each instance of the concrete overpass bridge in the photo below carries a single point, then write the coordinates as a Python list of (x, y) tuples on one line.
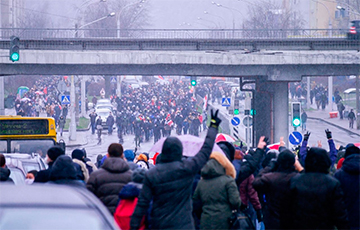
[(271, 64)]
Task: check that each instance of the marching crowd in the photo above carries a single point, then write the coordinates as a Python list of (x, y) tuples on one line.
[(285, 190)]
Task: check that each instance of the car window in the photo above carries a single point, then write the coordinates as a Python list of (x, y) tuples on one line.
[(30, 166), (18, 177), (3, 146), (31, 146), (50, 218)]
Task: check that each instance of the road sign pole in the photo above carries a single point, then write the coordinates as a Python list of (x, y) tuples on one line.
[(83, 92), (72, 134)]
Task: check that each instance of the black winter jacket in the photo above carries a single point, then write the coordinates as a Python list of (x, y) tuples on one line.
[(276, 188), (43, 176), (5, 175), (169, 185), (107, 182), (349, 177)]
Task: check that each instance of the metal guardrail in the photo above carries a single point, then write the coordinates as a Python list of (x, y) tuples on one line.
[(30, 33), (247, 45)]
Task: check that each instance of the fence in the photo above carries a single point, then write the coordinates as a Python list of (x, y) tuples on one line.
[(27, 33)]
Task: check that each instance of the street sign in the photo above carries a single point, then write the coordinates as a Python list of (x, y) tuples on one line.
[(248, 121), (235, 121), (295, 138), (226, 101), (65, 99), (113, 80)]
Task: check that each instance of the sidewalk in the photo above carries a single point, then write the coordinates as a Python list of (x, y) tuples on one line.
[(81, 138), (323, 115)]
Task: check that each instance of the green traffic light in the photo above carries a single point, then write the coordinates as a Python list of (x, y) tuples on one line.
[(193, 82), (296, 122), (236, 111), (14, 57)]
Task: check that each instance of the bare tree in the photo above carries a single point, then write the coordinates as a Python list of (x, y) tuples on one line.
[(128, 15), (34, 19), (270, 19)]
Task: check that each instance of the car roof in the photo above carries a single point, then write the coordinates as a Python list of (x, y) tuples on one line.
[(102, 110), (46, 195)]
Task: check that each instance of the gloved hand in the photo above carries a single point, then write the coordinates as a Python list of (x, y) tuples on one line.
[(328, 134), (259, 215), (306, 136), (215, 120)]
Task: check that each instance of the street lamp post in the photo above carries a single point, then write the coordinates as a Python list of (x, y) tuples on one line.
[(200, 18), (118, 23), (207, 12)]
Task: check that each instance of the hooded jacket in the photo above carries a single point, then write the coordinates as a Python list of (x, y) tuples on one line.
[(349, 177), (317, 198), (5, 175), (107, 182), (217, 192), (169, 185)]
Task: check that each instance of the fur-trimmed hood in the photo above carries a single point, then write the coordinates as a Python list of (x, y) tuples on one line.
[(218, 165), (83, 169)]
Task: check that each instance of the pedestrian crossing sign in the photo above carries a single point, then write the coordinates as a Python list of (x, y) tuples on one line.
[(113, 80), (65, 99), (226, 101)]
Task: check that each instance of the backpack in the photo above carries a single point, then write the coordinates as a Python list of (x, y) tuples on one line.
[(123, 213)]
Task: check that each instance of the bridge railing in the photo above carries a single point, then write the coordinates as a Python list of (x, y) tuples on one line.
[(26, 33)]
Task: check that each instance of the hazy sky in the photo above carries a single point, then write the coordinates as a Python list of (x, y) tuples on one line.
[(165, 14)]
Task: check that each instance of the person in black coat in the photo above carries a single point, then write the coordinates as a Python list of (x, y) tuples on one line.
[(107, 182), (169, 184), (274, 182), (317, 198), (349, 177), (64, 172), (4, 171), (52, 154)]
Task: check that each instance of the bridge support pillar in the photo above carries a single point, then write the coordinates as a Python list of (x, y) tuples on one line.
[(281, 110), (2, 96)]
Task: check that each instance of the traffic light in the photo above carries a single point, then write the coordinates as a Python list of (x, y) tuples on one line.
[(252, 112), (296, 113), (193, 81), (14, 49), (236, 106)]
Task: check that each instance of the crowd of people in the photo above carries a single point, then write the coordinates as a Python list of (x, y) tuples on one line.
[(155, 111), (283, 189)]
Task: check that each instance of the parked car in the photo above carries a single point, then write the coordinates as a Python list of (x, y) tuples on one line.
[(354, 30), (104, 104), (21, 163), (50, 206)]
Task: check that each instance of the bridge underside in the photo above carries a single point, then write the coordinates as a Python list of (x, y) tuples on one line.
[(286, 73)]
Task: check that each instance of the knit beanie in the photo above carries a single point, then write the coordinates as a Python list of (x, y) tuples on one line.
[(78, 154), (54, 152)]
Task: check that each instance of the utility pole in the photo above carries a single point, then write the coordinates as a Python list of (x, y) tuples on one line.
[(83, 92), (2, 96), (72, 128)]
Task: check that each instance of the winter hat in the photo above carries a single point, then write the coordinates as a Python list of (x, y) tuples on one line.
[(54, 152), (171, 150), (129, 155), (77, 154), (317, 160), (352, 149), (228, 149), (63, 168), (286, 160), (138, 175)]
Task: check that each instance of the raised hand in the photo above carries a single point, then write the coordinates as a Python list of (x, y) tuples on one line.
[(306, 136), (328, 134), (215, 120), (262, 143), (282, 142)]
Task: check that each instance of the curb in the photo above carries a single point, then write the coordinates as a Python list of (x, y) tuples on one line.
[(76, 145), (337, 126), (80, 130)]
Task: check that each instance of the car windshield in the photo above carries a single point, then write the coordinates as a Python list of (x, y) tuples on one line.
[(30, 166), (18, 177), (103, 114), (31, 146), (54, 218), (104, 107), (3, 146)]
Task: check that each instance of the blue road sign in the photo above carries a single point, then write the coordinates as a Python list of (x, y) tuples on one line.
[(65, 99), (235, 121), (295, 138), (113, 80), (226, 101)]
